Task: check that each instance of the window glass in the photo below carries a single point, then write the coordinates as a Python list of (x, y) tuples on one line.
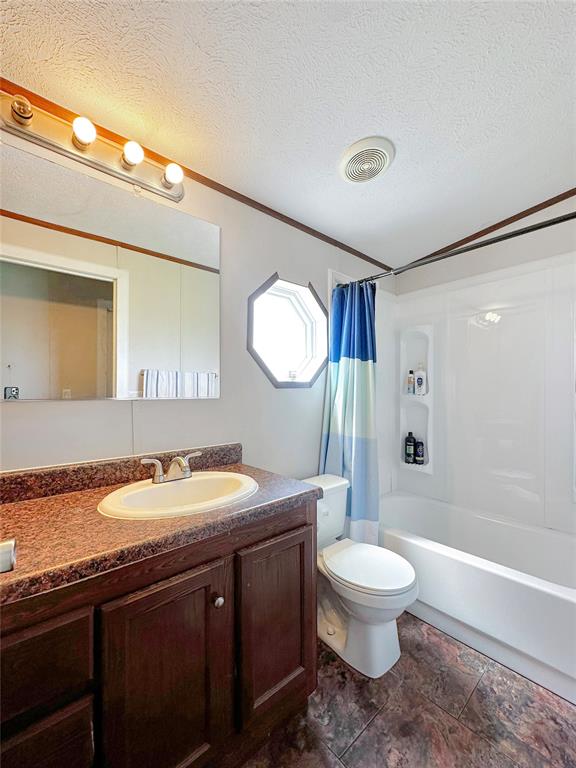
[(288, 332)]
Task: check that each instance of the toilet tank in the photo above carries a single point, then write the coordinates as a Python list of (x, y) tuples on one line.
[(331, 512)]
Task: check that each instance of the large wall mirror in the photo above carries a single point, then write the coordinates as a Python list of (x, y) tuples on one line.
[(104, 293)]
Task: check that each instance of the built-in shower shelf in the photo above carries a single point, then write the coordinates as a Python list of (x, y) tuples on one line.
[(416, 399), (417, 468), (417, 411)]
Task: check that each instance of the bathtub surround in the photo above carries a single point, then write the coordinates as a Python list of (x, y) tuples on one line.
[(349, 443), (504, 392), (443, 705)]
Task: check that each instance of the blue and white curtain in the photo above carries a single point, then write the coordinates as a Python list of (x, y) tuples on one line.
[(349, 446)]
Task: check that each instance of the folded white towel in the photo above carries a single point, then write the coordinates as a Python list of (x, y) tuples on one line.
[(172, 384), (199, 384), (158, 383)]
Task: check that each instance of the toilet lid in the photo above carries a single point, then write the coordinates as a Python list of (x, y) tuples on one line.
[(369, 568)]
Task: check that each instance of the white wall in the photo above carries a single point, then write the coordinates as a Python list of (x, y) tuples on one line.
[(279, 428)]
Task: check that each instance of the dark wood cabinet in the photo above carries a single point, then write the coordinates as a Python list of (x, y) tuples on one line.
[(63, 740), (47, 665), (184, 659), (277, 618), (167, 671)]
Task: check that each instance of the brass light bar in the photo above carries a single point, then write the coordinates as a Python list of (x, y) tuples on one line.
[(19, 118)]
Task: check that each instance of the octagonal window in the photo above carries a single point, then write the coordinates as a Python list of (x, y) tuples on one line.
[(288, 332)]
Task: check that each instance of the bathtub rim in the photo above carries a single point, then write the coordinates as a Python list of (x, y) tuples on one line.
[(447, 507), (513, 574)]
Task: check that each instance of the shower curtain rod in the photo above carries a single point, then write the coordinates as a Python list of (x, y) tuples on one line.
[(482, 244)]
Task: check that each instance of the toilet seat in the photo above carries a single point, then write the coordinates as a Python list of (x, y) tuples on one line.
[(368, 568)]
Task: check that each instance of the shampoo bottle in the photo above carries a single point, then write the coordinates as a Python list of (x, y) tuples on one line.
[(410, 383), (409, 448), (419, 452), (421, 386)]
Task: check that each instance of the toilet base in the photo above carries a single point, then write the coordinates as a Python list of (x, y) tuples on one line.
[(372, 649)]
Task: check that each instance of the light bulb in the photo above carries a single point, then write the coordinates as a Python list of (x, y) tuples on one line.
[(173, 174), (132, 155), (83, 132)]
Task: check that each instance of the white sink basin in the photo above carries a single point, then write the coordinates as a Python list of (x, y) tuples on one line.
[(203, 491)]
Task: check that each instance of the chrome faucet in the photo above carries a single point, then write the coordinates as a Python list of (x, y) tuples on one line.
[(179, 468)]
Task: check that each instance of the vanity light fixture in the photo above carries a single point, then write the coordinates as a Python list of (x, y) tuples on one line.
[(132, 155), (21, 110), (173, 175), (83, 133), (78, 139)]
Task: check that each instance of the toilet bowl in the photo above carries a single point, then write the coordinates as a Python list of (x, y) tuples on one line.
[(362, 588)]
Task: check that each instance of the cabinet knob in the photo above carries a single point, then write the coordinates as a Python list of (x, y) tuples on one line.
[(218, 602)]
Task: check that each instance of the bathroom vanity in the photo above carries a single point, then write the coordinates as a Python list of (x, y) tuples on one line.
[(158, 643)]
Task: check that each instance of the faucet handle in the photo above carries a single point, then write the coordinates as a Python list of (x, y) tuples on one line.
[(158, 469), (191, 456)]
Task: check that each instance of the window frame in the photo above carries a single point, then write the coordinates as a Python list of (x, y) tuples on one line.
[(283, 384)]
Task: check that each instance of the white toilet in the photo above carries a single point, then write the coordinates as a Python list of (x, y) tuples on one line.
[(362, 588)]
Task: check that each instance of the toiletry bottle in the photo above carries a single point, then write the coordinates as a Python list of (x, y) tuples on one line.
[(419, 452), (410, 383), (421, 383), (409, 448)]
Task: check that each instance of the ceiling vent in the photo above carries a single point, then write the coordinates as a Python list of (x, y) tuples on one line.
[(366, 159)]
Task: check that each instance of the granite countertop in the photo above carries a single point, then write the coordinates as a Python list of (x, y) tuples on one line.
[(62, 539)]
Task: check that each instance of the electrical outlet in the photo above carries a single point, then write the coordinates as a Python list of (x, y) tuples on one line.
[(11, 393)]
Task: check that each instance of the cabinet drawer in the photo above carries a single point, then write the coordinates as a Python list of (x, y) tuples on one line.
[(46, 665), (63, 739)]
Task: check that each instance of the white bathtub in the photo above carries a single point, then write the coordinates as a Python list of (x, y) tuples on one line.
[(506, 589)]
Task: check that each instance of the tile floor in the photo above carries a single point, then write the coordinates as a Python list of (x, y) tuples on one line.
[(443, 705)]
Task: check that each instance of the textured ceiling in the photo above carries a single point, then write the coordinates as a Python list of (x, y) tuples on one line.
[(478, 97)]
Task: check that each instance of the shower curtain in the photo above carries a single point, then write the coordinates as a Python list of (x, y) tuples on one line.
[(349, 446)]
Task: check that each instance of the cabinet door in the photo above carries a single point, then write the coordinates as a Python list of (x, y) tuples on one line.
[(168, 670), (277, 589)]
